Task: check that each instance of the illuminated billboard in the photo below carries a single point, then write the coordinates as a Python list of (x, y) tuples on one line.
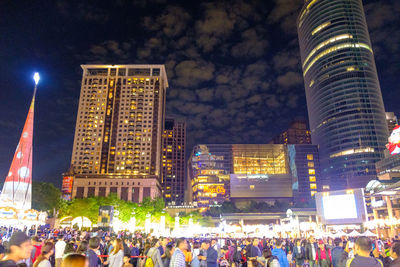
[(341, 207), (66, 188), (394, 141)]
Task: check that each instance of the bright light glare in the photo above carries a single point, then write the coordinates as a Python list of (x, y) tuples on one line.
[(339, 207), (36, 77)]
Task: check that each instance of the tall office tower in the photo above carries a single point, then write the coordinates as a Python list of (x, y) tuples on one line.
[(391, 120), (117, 144), (345, 106), (297, 133), (173, 162)]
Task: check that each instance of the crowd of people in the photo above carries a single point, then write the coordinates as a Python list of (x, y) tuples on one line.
[(67, 248)]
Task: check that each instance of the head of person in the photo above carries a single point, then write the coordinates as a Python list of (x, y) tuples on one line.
[(363, 246), (321, 244), (248, 241), (338, 242), (75, 260), (213, 242), (205, 244), (163, 241), (83, 247), (19, 246), (312, 239), (69, 248), (60, 237), (256, 241), (169, 251), (126, 259), (278, 243), (117, 246), (35, 240), (395, 250), (181, 243), (94, 243), (155, 243)]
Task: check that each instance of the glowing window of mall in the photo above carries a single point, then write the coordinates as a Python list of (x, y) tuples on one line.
[(252, 187), (326, 187), (313, 186), (311, 171), (310, 156), (313, 179), (311, 164), (313, 193)]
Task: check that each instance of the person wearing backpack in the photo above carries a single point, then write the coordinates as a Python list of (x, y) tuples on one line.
[(153, 255), (268, 260), (280, 254)]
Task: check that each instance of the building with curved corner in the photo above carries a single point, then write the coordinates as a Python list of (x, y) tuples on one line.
[(344, 100)]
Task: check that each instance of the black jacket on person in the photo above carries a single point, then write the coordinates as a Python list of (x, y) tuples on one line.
[(309, 255), (299, 255)]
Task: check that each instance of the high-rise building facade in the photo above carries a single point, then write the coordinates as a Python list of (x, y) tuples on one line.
[(297, 133), (118, 134), (173, 161), (344, 101), (391, 120)]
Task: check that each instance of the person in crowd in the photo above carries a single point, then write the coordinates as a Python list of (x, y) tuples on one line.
[(169, 251), (43, 259), (195, 259), (202, 256), (216, 246), (116, 257), (19, 248), (83, 248), (69, 248), (267, 259), (94, 245), (127, 262), (37, 248), (74, 260), (299, 253), (362, 251), (178, 258), (280, 254), (135, 251), (311, 251), (254, 252), (163, 246), (188, 254), (59, 250), (323, 257), (154, 254), (212, 256), (337, 252), (395, 255)]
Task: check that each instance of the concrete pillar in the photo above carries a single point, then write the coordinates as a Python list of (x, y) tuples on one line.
[(107, 191), (390, 214), (129, 193), (140, 194), (119, 191), (96, 191), (85, 191)]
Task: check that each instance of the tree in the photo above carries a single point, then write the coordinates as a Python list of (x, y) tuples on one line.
[(45, 197)]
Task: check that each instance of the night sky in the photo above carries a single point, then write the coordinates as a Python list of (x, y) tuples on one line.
[(233, 66)]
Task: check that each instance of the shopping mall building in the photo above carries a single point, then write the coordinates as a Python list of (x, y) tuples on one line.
[(260, 172)]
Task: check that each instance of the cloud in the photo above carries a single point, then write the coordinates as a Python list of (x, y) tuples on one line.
[(290, 79), (192, 73), (285, 13), (252, 45)]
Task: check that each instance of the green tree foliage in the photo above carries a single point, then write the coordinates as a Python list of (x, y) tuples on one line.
[(45, 197)]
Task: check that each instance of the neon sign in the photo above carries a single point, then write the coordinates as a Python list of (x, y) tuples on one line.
[(217, 189)]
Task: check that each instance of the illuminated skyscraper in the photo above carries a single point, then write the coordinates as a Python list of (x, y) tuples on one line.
[(117, 145), (173, 161), (345, 106), (297, 133), (391, 120)]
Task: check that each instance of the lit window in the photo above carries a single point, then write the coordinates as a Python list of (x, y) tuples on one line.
[(321, 27), (311, 164), (252, 187), (313, 193), (313, 179), (313, 186), (326, 187), (310, 157), (334, 49), (325, 43), (311, 171)]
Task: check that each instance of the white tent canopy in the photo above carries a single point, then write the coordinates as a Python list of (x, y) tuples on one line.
[(369, 233), (354, 233), (340, 233)]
